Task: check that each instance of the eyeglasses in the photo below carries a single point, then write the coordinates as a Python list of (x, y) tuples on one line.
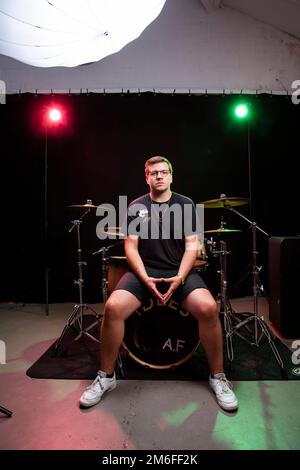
[(154, 174)]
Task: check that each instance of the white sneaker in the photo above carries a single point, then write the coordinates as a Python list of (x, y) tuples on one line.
[(224, 393), (94, 392)]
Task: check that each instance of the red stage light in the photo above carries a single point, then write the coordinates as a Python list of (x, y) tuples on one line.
[(54, 115)]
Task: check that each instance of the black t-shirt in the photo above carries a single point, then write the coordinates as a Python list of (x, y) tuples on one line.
[(161, 228)]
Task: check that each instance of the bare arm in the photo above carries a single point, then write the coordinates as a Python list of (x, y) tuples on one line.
[(189, 256), (136, 264)]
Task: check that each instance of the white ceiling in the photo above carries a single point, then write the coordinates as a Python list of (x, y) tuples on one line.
[(282, 14), (193, 45)]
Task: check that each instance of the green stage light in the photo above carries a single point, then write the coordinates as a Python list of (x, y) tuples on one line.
[(241, 111)]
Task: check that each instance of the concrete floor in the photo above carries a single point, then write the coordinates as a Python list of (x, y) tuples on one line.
[(147, 415)]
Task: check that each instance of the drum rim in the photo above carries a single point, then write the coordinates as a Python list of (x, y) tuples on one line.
[(167, 366)]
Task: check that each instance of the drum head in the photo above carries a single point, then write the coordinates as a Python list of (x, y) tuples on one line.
[(160, 336)]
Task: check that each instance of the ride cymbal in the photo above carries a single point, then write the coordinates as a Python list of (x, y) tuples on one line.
[(225, 201)]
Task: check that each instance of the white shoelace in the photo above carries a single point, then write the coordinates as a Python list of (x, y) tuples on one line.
[(225, 384), (94, 384)]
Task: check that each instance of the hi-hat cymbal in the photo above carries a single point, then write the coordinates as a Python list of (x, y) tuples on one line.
[(84, 206), (225, 201), (114, 231), (222, 230), (87, 205)]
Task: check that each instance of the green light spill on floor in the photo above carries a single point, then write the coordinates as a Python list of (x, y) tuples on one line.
[(258, 423), (178, 416), (244, 429)]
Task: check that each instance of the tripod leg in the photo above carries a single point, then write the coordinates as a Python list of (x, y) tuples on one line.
[(90, 327), (85, 332), (6, 411), (264, 331), (66, 328), (228, 336), (272, 344)]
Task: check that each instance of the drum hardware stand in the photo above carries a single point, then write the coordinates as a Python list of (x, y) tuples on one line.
[(5, 411), (225, 306), (211, 245), (77, 314), (249, 270), (104, 267), (104, 286), (257, 287)]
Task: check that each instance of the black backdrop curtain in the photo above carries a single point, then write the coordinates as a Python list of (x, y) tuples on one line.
[(98, 153)]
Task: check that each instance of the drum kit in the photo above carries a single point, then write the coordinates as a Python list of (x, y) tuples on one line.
[(231, 320), (166, 344)]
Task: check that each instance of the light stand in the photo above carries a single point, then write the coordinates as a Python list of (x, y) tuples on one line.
[(257, 287), (50, 115), (249, 166), (46, 269), (248, 269), (76, 317)]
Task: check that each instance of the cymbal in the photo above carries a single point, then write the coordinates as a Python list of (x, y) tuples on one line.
[(225, 201), (114, 231), (222, 230), (84, 206)]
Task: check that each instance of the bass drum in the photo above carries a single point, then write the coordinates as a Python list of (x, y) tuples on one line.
[(161, 336)]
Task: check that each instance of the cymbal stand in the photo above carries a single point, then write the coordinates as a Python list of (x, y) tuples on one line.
[(104, 269), (104, 286), (76, 317), (257, 319), (225, 306)]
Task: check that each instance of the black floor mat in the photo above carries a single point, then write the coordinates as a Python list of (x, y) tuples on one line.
[(79, 360)]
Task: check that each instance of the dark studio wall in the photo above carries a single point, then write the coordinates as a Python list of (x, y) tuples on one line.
[(98, 153)]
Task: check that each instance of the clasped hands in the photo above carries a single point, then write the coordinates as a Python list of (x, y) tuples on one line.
[(174, 282)]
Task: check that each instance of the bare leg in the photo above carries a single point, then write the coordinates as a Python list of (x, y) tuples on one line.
[(119, 306), (203, 307)]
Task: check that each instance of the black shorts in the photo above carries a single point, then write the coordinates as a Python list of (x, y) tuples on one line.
[(130, 282)]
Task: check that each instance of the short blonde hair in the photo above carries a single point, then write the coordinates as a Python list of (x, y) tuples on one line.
[(157, 159)]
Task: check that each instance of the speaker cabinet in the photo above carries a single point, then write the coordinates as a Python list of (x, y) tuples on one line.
[(284, 285)]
